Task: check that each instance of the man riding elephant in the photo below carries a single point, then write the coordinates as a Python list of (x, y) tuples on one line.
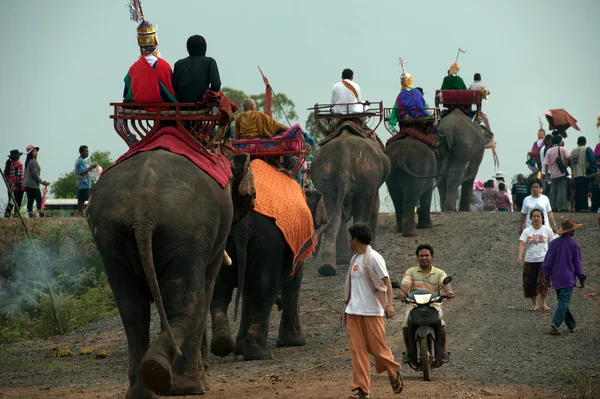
[(252, 123), (452, 81)]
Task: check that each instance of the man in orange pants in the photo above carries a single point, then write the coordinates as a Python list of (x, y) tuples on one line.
[(368, 298)]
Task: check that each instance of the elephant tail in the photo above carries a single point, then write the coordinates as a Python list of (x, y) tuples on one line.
[(402, 164), (241, 245), (143, 238)]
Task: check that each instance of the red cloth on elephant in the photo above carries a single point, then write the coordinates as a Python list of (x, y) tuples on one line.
[(281, 198), (428, 139), (171, 139), (226, 106)]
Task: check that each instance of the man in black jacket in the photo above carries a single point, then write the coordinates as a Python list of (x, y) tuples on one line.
[(194, 75)]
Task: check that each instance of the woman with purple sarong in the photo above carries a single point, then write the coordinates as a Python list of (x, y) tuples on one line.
[(410, 102)]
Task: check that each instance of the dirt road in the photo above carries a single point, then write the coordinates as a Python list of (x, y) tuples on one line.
[(498, 347)]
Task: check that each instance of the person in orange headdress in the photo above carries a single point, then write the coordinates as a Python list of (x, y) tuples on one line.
[(453, 81), (149, 79)]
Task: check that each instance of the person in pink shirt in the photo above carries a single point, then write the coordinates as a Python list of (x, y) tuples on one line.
[(556, 156), (503, 203)]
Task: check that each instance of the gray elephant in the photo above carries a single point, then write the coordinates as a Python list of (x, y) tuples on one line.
[(262, 267), (161, 224), (461, 148), (348, 170), (406, 187)]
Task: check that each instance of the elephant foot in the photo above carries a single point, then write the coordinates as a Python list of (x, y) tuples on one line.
[(425, 225), (409, 234), (327, 270), (238, 349), (221, 344), (157, 372), (194, 383), (257, 353), (398, 229), (296, 339), (140, 391)]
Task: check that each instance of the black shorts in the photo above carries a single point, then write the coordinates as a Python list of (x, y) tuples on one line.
[(83, 194)]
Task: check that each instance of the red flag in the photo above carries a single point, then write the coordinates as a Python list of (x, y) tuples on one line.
[(268, 95)]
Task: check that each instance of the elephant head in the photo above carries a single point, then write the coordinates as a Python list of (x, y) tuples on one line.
[(243, 191)]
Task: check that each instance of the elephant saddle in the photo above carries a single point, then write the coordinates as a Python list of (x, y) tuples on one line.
[(279, 197), (171, 139), (353, 126), (429, 139)]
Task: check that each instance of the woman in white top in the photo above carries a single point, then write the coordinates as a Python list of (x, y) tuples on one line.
[(534, 242), (536, 200)]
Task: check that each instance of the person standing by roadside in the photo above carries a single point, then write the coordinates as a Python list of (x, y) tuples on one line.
[(536, 200), (562, 266), (555, 163), (520, 190), (82, 178), (583, 165), (534, 242), (500, 179), (13, 171), (490, 197), (504, 203), (32, 180), (368, 299)]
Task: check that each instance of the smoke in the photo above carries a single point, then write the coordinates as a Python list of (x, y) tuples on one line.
[(59, 260)]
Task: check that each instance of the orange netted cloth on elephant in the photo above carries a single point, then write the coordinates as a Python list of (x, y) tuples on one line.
[(281, 198)]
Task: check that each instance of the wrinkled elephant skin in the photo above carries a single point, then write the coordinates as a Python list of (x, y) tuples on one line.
[(161, 225), (261, 267), (461, 150), (410, 157), (348, 171)]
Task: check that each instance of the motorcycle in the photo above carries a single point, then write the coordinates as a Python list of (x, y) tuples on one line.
[(425, 331)]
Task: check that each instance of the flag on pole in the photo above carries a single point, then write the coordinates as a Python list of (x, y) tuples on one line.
[(268, 109), (462, 51)]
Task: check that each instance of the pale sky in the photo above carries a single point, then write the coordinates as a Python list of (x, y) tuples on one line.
[(64, 61)]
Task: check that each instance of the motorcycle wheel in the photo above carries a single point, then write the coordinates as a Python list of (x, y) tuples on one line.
[(425, 365)]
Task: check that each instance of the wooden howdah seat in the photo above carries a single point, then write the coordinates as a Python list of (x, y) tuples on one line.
[(135, 122), (327, 120), (423, 124)]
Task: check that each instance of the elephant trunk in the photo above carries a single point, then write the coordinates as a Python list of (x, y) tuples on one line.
[(240, 238), (143, 238)]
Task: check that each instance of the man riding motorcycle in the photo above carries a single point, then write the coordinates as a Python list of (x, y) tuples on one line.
[(424, 277)]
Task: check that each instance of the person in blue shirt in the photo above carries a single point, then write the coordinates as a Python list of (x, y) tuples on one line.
[(82, 178)]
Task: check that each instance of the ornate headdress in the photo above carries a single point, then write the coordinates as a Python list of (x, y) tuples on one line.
[(454, 68), (541, 131), (147, 39), (406, 78)]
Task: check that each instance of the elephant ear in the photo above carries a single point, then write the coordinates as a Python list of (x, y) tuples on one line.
[(316, 205), (243, 191)]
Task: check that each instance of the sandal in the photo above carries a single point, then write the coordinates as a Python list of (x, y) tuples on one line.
[(446, 357), (398, 384), (545, 308), (533, 308), (359, 394), (554, 330)]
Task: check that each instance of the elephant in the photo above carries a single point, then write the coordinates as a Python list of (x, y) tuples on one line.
[(407, 187), (262, 266), (348, 170), (160, 224), (461, 147)]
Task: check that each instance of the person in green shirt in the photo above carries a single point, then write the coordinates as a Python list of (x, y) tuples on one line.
[(453, 81)]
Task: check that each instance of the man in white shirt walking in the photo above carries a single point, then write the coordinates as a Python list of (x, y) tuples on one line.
[(347, 92)]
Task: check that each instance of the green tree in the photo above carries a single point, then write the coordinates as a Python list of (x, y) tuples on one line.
[(311, 127), (65, 187)]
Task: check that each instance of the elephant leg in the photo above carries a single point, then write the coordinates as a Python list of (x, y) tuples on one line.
[(182, 286), (134, 308), (466, 195), (342, 248), (262, 285), (240, 339), (221, 343), (425, 209), (454, 176), (329, 237), (363, 208), (372, 222), (397, 194), (290, 333), (411, 197), (190, 369)]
